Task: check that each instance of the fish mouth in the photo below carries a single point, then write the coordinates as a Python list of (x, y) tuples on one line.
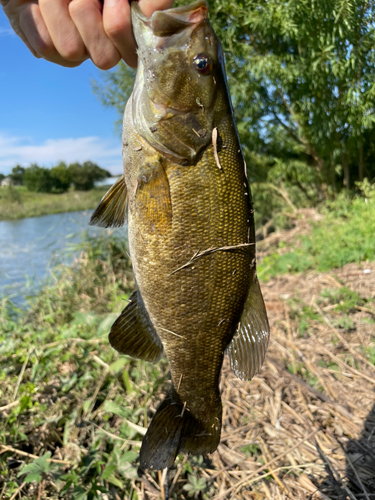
[(172, 21)]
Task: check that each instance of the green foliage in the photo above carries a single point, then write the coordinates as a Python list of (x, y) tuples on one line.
[(38, 179), (11, 194), (17, 175), (370, 351), (61, 177), (345, 299), (86, 175), (17, 202), (301, 75), (57, 338), (39, 469), (194, 486), (252, 450), (304, 315), (101, 274), (344, 235)]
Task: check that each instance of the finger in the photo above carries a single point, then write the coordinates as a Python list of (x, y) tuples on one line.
[(87, 17), (12, 10), (148, 7), (32, 24), (62, 30), (117, 25)]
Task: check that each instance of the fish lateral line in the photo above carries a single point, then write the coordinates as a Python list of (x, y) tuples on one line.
[(209, 251)]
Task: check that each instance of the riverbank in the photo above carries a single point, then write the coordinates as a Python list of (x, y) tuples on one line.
[(18, 203), (73, 411)]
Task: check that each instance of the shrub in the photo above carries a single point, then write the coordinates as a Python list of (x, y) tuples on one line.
[(38, 179)]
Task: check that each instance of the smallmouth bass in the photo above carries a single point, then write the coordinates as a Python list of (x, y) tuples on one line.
[(191, 231)]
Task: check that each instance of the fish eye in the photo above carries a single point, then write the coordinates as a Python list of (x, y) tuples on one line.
[(202, 64)]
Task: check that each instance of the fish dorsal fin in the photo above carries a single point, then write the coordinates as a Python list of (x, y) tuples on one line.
[(111, 210), (133, 334), (153, 198), (248, 347)]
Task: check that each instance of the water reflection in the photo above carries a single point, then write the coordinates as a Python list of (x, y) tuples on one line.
[(28, 246)]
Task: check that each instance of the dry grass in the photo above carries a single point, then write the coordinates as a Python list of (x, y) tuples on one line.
[(305, 426)]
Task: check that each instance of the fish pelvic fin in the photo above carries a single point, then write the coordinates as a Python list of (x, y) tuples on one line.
[(248, 347), (111, 210), (174, 429), (133, 334)]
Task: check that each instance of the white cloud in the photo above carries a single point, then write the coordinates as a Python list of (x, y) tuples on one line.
[(6, 31), (24, 150)]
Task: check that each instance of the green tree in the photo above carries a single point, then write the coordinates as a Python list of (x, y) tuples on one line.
[(38, 179), (2, 176), (86, 175), (17, 175), (302, 76), (302, 79), (61, 177)]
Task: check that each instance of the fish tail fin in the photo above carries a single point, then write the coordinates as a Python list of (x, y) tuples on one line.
[(174, 429)]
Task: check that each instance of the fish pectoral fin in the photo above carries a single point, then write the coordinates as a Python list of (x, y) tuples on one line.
[(248, 347), (153, 197), (111, 210), (133, 334)]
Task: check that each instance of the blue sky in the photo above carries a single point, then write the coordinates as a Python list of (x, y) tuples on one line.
[(49, 113)]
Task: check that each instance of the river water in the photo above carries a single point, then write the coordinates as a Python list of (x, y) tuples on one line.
[(28, 247)]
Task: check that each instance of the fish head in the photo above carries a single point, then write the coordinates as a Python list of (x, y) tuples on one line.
[(180, 80)]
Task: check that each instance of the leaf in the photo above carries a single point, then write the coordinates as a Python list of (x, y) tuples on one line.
[(108, 471), (33, 477), (116, 482), (79, 494), (118, 364), (112, 407), (129, 456), (38, 466)]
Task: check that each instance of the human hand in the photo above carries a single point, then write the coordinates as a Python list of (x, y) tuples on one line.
[(67, 32)]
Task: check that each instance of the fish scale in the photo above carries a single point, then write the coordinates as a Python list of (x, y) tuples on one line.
[(191, 231)]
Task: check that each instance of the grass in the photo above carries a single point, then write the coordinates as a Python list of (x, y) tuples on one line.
[(18, 202), (73, 411), (344, 234)]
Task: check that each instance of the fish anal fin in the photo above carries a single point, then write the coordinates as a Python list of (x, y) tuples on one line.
[(248, 347), (111, 210), (153, 198), (174, 429), (133, 334)]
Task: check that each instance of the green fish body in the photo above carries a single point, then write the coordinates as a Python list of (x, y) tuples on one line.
[(191, 231)]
